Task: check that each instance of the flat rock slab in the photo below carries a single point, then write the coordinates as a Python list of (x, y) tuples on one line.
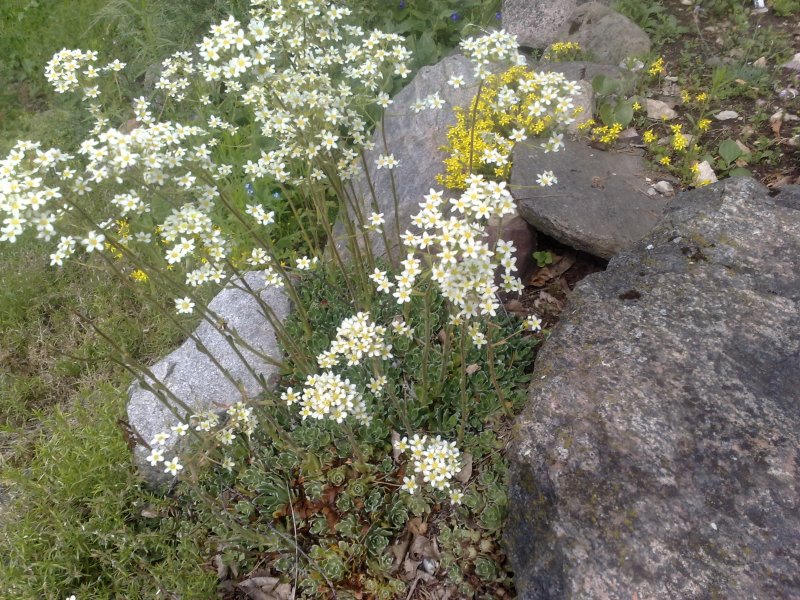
[(600, 204), (658, 456), (193, 377)]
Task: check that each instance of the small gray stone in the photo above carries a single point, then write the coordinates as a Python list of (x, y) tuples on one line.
[(726, 115), (664, 187), (196, 380), (659, 110), (600, 204), (658, 456), (605, 34), (705, 174), (793, 64)]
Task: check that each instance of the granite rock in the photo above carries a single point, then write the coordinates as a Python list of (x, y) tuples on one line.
[(537, 23), (658, 455), (608, 36), (415, 140), (194, 378)]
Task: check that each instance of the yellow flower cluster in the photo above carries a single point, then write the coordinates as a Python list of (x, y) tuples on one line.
[(657, 67), (486, 131), (704, 124), (123, 235), (139, 276), (562, 51), (678, 139), (607, 134)]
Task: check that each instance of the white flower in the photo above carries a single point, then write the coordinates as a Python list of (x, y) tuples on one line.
[(546, 179), (93, 241), (155, 457), (184, 305), (456, 81), (386, 162), (533, 323), (173, 466)]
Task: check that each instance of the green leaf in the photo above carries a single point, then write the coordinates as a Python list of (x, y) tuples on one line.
[(729, 151), (624, 113), (740, 172), (606, 113), (604, 85)]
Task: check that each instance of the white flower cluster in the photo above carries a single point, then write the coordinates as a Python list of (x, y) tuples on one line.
[(497, 46), (357, 337), (328, 396), (68, 70), (462, 262), (240, 420), (301, 74), (435, 461)]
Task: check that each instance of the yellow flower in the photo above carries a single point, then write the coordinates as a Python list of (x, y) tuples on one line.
[(701, 97), (649, 137), (695, 168), (636, 106), (657, 67), (704, 124), (665, 161), (139, 275), (686, 97)]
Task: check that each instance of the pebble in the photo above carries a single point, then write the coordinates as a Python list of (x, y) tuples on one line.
[(761, 63), (656, 109), (726, 115), (664, 188), (705, 174), (793, 64)]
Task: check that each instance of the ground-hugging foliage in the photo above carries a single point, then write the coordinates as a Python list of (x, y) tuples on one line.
[(338, 492)]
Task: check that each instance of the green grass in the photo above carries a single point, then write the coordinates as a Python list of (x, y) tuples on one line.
[(76, 526)]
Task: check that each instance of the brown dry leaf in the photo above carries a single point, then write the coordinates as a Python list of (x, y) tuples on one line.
[(410, 568), (442, 336), (472, 369), (421, 547), (546, 299), (516, 307), (417, 526), (266, 588), (563, 264), (223, 572), (776, 122), (399, 552), (541, 277), (466, 468)]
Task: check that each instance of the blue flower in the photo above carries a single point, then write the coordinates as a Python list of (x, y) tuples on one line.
[(498, 15), (248, 187), (455, 17)]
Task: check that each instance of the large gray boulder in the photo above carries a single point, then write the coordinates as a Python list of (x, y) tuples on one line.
[(600, 204), (537, 23), (658, 456), (416, 140), (193, 377), (608, 36)]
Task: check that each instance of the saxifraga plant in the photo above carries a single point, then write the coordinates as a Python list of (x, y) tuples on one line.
[(384, 390)]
